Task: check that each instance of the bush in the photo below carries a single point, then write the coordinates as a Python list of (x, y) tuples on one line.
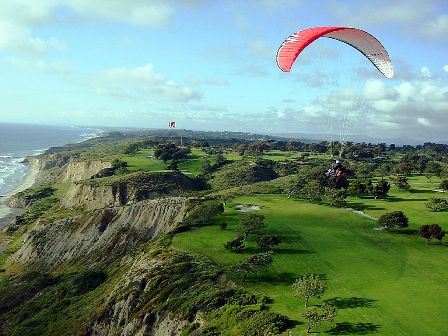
[(437, 204), (235, 245), (431, 231), (203, 214), (444, 185), (393, 219), (88, 280), (266, 242), (402, 182)]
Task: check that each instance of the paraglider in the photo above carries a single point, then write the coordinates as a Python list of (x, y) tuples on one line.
[(346, 110), (367, 44)]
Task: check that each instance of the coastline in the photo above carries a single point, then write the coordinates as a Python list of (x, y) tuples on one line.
[(7, 213)]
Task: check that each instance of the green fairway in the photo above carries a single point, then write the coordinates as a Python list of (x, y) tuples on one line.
[(411, 202), (144, 160), (385, 283)]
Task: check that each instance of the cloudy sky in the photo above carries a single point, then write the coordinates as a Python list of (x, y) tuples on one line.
[(210, 65)]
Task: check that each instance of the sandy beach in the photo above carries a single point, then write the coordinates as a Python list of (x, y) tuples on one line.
[(7, 213)]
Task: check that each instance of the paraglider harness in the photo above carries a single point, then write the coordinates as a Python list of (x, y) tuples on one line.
[(336, 169)]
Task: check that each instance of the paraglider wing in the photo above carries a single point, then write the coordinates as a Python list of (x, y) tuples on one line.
[(367, 44)]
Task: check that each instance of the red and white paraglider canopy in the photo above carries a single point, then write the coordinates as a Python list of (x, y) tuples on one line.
[(171, 124), (367, 44)]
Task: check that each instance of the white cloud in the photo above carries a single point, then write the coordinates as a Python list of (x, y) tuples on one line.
[(259, 48), (280, 4), (384, 11), (438, 27), (20, 18), (145, 82), (376, 90), (413, 108), (445, 68), (425, 72), (423, 121), (40, 65)]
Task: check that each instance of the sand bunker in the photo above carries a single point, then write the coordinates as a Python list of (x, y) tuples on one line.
[(360, 213), (249, 207), (439, 190)]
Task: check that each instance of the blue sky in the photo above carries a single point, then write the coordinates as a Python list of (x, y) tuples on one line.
[(210, 65)]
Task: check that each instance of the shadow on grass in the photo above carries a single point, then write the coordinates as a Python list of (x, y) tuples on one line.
[(253, 250), (358, 328), (363, 207), (277, 278), (407, 232), (419, 191), (394, 199), (350, 302)]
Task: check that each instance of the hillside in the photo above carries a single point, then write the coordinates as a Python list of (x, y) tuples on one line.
[(113, 241)]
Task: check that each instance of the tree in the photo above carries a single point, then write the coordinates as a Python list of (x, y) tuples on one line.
[(308, 286), (251, 223), (403, 168), (174, 165), (365, 170), (223, 225), (316, 316), (444, 185), (312, 191), (253, 264), (334, 197), (433, 168), (296, 186), (384, 170), (358, 188), (401, 182), (169, 151), (235, 245), (266, 242), (393, 219), (431, 231), (381, 189), (437, 204)]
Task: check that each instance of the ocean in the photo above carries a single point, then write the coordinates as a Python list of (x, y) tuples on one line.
[(19, 140)]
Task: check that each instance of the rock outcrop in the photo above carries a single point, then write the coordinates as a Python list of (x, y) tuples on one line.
[(129, 189), (101, 233), (66, 168)]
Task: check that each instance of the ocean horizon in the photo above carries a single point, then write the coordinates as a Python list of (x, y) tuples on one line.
[(17, 141)]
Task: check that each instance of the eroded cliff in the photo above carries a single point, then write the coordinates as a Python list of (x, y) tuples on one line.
[(100, 234)]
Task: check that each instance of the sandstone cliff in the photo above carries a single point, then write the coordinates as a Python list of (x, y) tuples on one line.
[(129, 189), (59, 167), (101, 233)]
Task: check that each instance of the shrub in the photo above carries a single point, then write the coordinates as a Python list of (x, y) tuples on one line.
[(393, 219), (402, 182), (235, 245), (203, 214), (266, 242), (431, 231), (437, 204), (444, 185)]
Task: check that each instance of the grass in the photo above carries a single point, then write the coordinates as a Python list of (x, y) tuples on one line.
[(144, 160), (385, 283), (411, 202)]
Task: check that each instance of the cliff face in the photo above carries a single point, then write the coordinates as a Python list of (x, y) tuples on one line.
[(120, 191), (58, 167), (127, 298), (100, 233), (83, 170)]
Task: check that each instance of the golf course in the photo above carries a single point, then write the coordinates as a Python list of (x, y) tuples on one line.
[(385, 283)]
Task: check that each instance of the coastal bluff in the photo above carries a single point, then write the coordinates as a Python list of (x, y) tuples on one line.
[(100, 234), (125, 190), (65, 168)]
